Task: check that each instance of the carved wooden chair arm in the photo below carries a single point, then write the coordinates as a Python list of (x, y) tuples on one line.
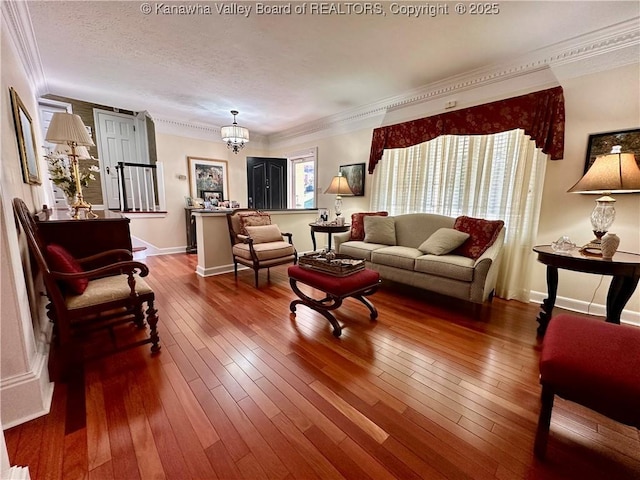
[(128, 267), (118, 255), (245, 239), (289, 236)]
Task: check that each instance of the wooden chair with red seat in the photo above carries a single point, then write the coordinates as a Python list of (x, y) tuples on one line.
[(257, 243), (109, 294)]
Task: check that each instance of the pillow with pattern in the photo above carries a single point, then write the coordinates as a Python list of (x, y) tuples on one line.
[(482, 234), (254, 219), (357, 223)]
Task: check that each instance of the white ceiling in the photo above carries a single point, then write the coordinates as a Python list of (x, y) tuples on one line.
[(281, 71)]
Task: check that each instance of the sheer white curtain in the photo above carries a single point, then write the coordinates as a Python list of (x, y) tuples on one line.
[(496, 177)]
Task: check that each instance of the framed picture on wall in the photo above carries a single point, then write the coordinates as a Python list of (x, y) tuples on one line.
[(26, 140), (354, 173), (208, 175), (601, 144)]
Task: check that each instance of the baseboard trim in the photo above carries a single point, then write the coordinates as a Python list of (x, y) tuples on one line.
[(208, 272), (628, 316), (26, 396)]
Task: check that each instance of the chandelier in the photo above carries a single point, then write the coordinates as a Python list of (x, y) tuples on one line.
[(234, 135)]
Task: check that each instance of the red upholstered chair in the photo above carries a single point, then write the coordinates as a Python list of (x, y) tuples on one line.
[(593, 363), (88, 294)]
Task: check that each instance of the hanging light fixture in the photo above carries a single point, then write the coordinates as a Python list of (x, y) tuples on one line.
[(234, 135)]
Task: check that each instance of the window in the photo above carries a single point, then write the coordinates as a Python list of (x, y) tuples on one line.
[(495, 177), (302, 181)]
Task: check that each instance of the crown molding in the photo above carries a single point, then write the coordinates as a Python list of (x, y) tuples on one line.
[(16, 15), (198, 131), (622, 38)]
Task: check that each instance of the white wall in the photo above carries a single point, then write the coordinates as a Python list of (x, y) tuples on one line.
[(596, 103), (25, 390), (168, 234)]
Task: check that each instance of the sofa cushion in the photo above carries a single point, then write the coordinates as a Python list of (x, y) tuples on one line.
[(399, 257), (357, 223), (451, 266), (443, 241), (358, 249), (380, 230), (253, 219), (264, 233), (482, 234), (62, 261)]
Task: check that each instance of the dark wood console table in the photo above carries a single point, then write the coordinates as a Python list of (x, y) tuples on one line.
[(327, 228), (624, 267), (84, 237)]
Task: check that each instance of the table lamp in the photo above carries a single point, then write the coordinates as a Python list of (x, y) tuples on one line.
[(613, 173), (339, 186), (68, 129)]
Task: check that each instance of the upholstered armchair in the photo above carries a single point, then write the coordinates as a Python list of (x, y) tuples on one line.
[(103, 291), (257, 243)]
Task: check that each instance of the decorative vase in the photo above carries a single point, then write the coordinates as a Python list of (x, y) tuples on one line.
[(609, 245)]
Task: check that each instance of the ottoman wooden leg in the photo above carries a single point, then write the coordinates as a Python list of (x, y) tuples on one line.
[(544, 421), (321, 306)]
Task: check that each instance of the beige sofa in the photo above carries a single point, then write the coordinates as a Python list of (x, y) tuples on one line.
[(449, 274)]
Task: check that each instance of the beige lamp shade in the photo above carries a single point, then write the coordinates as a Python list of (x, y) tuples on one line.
[(64, 149), (613, 173), (339, 186), (68, 128)]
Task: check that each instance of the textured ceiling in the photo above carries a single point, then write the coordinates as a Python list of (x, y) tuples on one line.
[(283, 70)]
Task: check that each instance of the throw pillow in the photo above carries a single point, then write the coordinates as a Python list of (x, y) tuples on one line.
[(380, 230), (264, 233), (62, 261), (357, 223), (443, 241), (254, 219), (482, 234)]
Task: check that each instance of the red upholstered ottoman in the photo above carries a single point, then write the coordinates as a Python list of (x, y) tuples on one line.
[(358, 285), (593, 363)]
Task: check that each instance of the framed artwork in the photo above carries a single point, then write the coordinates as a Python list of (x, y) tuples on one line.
[(601, 143), (211, 196), (208, 175), (26, 140), (354, 173)]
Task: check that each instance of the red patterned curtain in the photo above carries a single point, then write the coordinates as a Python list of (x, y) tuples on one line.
[(539, 114)]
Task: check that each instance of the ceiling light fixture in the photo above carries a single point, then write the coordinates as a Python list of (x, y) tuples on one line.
[(234, 135)]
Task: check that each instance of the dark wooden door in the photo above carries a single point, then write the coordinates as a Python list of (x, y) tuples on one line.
[(267, 183)]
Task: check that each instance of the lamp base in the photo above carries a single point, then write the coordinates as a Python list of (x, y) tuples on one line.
[(82, 205)]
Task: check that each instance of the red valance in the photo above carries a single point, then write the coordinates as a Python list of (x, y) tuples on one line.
[(539, 114)]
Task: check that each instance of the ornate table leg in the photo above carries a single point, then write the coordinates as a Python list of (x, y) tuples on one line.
[(620, 292), (313, 239), (548, 303), (329, 237)]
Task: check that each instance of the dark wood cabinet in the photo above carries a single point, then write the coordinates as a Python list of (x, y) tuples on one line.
[(85, 237), (267, 183), (190, 224)]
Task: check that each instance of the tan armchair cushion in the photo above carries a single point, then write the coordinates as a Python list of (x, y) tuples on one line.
[(264, 251), (107, 289), (264, 234)]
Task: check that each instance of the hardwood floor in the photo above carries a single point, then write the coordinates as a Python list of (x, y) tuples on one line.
[(241, 389)]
